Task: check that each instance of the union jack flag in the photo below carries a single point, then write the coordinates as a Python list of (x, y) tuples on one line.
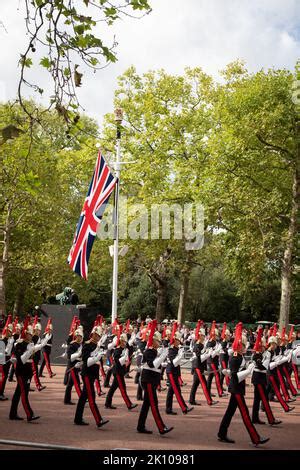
[(101, 187)]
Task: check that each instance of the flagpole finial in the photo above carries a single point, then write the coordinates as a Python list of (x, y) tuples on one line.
[(118, 115)]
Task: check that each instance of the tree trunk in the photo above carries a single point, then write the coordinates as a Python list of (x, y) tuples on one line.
[(4, 261), (287, 268), (184, 289), (19, 302), (161, 304)]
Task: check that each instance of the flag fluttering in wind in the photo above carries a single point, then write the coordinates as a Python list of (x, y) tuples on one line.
[(101, 187)]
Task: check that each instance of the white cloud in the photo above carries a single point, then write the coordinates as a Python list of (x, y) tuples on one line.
[(178, 33)]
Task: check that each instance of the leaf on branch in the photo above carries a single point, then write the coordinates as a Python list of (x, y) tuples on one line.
[(26, 62), (45, 62), (86, 2)]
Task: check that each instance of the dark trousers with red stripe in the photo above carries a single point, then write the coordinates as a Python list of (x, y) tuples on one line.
[(11, 372), (199, 378), (73, 379), (289, 380), (46, 362), (4, 370), (118, 382), (21, 391), (237, 400), (214, 374), (296, 375), (273, 381), (260, 395), (283, 384), (174, 387), (150, 400), (88, 393), (139, 391), (107, 378), (36, 375)]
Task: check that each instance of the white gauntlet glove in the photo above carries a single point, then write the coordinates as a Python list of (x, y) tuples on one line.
[(113, 344), (94, 359), (76, 355), (177, 359), (160, 359), (132, 339), (244, 373), (205, 356), (9, 346), (124, 358), (102, 340), (28, 353)]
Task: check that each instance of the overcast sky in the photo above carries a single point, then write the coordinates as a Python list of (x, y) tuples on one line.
[(178, 33)]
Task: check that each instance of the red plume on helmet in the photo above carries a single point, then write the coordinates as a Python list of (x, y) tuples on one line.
[(199, 324), (49, 323), (224, 330), (144, 337), (283, 333), (100, 320), (152, 331), (212, 332), (8, 322), (274, 329), (119, 332), (15, 325), (77, 324), (270, 332), (258, 344), (72, 326), (237, 337), (35, 321), (174, 329), (291, 333), (25, 325), (115, 325), (127, 326)]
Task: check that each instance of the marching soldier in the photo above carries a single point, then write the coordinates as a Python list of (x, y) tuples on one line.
[(213, 360), (47, 351), (173, 372), (91, 355), (293, 366), (120, 357), (200, 355), (237, 385), (150, 379), (259, 380), (74, 359), (141, 345), (224, 356), (4, 368), (37, 328), (16, 335), (24, 351), (273, 380)]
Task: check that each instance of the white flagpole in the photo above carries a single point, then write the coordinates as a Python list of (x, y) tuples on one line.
[(118, 119)]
